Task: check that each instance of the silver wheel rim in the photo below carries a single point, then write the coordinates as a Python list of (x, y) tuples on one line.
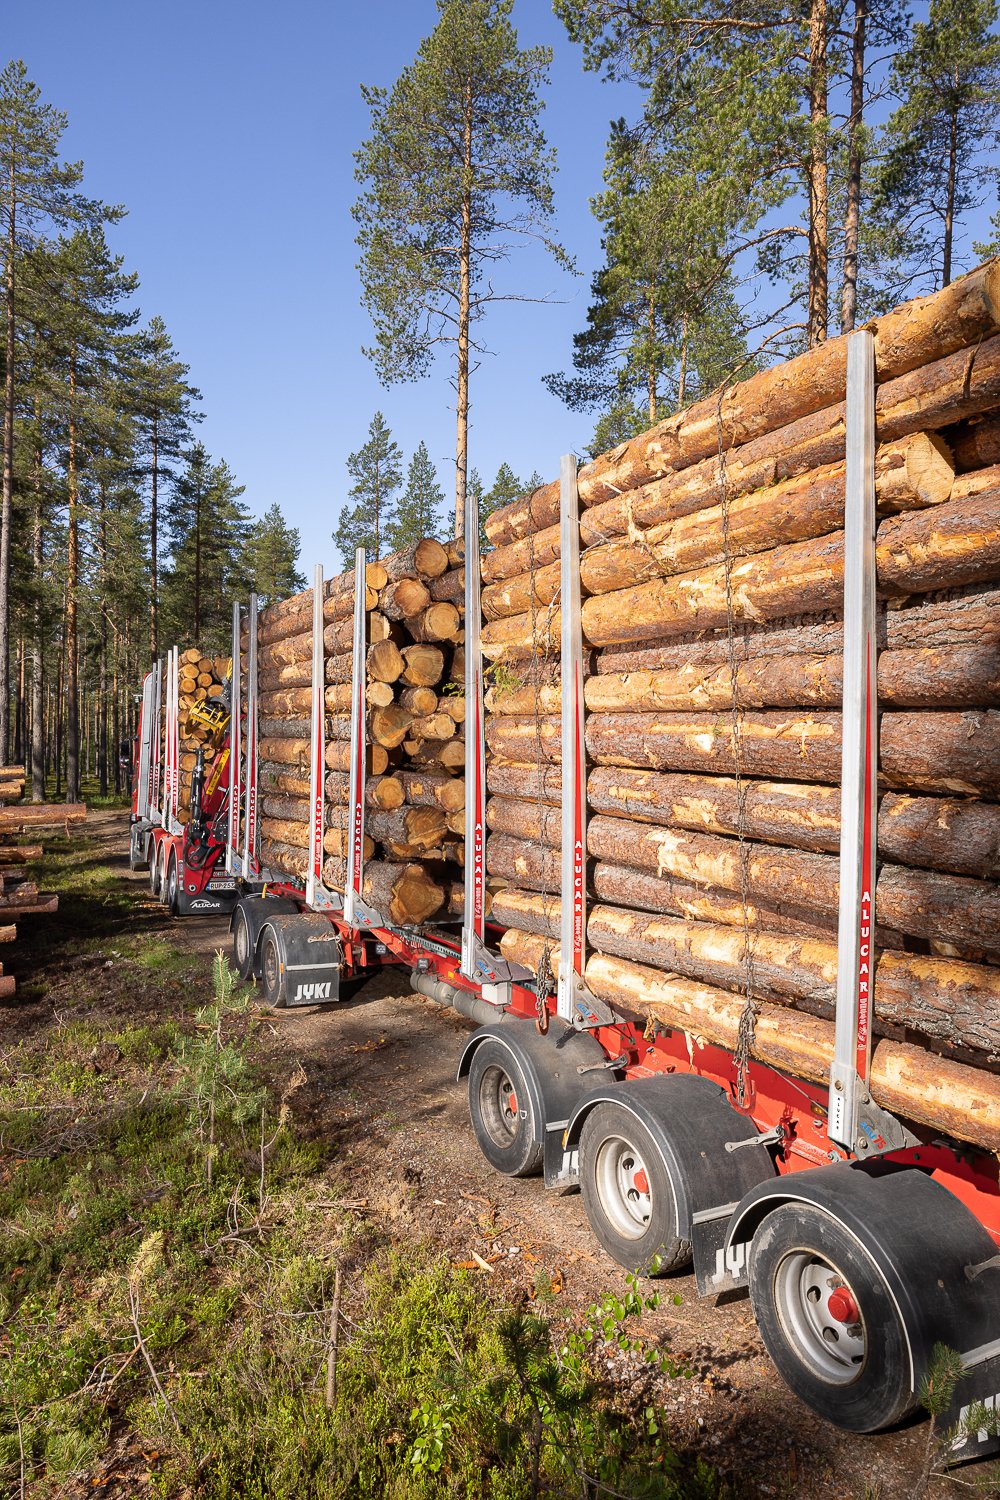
[(809, 1296), (241, 941), (270, 970), (622, 1183), (499, 1106)]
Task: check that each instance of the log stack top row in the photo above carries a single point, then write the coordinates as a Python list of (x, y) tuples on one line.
[(712, 580), (19, 893)]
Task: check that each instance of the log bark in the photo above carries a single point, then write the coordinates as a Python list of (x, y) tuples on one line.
[(405, 599), (402, 893), (424, 559), (450, 587), (288, 652), (954, 545), (418, 827), (432, 789), (280, 679), (435, 726), (976, 444)]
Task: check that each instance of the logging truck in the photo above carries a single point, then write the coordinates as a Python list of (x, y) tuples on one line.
[(851, 1188), (180, 784)]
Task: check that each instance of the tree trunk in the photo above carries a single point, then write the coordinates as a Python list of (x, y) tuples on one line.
[(464, 314), (154, 599), (852, 213), (7, 502), (38, 640), (72, 578), (950, 193), (818, 190)]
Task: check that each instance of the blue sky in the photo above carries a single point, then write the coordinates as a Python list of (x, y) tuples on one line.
[(228, 130)]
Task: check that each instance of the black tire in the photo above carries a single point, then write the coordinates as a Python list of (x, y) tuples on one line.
[(154, 871), (171, 890), (502, 1112), (808, 1277), (272, 978), (162, 880), (628, 1194), (244, 952)]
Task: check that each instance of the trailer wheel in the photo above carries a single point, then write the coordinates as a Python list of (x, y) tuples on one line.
[(628, 1194), (244, 950), (272, 978), (500, 1105), (828, 1319), (154, 872), (170, 889), (162, 878)]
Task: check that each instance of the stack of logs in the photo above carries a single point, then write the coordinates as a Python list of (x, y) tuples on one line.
[(200, 679), (712, 570), (414, 686), (19, 895)]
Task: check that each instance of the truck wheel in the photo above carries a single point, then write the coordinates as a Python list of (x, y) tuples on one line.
[(628, 1194), (244, 952), (828, 1319), (162, 880), (155, 871), (170, 891), (272, 978), (502, 1112)]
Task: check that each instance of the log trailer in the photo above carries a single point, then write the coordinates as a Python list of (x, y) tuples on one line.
[(179, 815), (865, 1240)]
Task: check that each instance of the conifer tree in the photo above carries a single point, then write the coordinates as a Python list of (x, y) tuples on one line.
[(377, 471), (208, 530), (163, 400), (455, 171), (941, 142), (270, 558), (37, 190), (417, 511)]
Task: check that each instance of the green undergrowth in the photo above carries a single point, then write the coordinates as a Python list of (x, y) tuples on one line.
[(168, 1254)]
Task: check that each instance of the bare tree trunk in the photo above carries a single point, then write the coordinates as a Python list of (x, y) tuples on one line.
[(949, 211), (102, 681), (651, 365), (37, 643), (116, 730), (57, 747), (852, 215), (6, 506), (72, 577), (197, 566), (682, 373), (818, 188), (19, 704), (464, 294), (154, 603)]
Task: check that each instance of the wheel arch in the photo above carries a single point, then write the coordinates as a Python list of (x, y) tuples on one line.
[(921, 1240), (257, 909), (691, 1120)]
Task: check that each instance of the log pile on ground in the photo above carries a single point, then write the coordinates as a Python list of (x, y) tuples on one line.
[(201, 679), (415, 705), (712, 573), (19, 894)]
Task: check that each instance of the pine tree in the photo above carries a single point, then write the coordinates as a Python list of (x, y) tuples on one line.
[(417, 511), (377, 471), (270, 558), (941, 142), (208, 530), (477, 490), (36, 190), (456, 169), (163, 400)]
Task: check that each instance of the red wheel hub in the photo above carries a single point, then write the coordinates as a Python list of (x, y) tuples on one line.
[(512, 1102), (640, 1181), (843, 1307)]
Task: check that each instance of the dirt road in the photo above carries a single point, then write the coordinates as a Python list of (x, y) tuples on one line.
[(375, 1078)]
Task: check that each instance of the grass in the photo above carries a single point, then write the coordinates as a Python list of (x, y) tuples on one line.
[(168, 1252)]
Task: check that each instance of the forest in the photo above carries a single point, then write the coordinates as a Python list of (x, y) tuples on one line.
[(792, 169)]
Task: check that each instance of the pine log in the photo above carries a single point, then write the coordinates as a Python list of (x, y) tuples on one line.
[(337, 637), (38, 815), (18, 854), (450, 587), (942, 999), (380, 791), (930, 752), (419, 700), (277, 779), (435, 726), (338, 670), (384, 662), (976, 443), (433, 754), (418, 827), (950, 546), (281, 679), (379, 627), (438, 622), (286, 703), (285, 729), (296, 752), (404, 599), (379, 694), (389, 726), (923, 1088), (294, 648), (432, 789), (424, 559), (424, 665), (343, 584)]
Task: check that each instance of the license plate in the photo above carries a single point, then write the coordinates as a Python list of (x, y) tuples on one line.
[(221, 885)]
